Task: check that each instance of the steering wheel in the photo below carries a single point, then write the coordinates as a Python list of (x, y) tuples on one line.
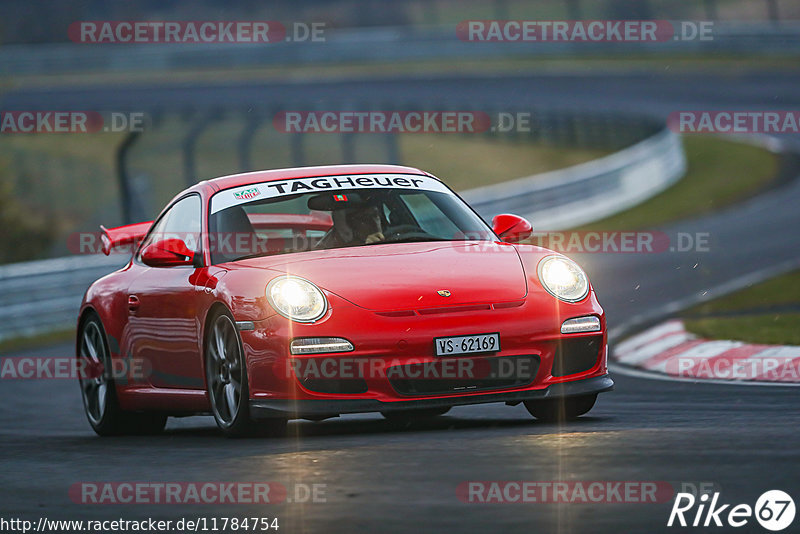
[(402, 231), (325, 241)]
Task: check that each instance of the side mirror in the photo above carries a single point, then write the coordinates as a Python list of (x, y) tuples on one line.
[(167, 253), (511, 228)]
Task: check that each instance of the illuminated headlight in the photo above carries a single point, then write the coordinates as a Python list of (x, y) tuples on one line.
[(296, 299), (563, 279), (590, 323), (319, 345)]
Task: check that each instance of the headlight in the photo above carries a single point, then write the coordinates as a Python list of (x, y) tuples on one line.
[(296, 299), (563, 279)]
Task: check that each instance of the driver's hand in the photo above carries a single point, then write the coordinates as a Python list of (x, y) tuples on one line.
[(377, 237)]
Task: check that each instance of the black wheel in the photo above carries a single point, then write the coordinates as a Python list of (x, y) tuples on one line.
[(99, 392), (226, 380), (564, 409), (406, 417)]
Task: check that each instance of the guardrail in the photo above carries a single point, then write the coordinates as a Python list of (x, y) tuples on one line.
[(589, 191), (44, 295)]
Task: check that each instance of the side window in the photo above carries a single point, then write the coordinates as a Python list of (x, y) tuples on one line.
[(181, 221)]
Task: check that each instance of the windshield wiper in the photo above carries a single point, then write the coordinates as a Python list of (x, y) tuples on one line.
[(258, 255)]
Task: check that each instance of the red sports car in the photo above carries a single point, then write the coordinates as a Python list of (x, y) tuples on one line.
[(318, 291)]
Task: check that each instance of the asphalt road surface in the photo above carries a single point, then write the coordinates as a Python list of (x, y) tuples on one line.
[(742, 439)]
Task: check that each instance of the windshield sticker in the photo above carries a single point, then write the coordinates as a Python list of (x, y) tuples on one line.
[(247, 194), (278, 188)]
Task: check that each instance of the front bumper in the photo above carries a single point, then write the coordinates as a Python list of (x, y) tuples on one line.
[(269, 408)]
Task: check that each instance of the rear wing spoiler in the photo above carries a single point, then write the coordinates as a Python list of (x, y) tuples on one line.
[(131, 234)]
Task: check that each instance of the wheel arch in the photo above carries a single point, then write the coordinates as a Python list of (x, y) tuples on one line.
[(87, 312), (213, 311)]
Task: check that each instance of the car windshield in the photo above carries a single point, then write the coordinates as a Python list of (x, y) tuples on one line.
[(264, 220)]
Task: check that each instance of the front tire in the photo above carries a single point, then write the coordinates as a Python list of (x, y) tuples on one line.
[(563, 409), (227, 385), (99, 392)]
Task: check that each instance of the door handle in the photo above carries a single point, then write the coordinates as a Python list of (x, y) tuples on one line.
[(133, 303)]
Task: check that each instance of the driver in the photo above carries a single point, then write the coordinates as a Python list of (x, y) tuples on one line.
[(358, 225)]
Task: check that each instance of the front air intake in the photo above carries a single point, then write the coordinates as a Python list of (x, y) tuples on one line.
[(576, 355)]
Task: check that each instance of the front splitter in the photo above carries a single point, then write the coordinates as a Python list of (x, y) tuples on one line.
[(271, 408)]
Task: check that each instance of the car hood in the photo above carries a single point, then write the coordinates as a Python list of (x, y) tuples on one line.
[(407, 276)]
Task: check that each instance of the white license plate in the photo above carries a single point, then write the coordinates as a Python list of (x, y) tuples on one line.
[(476, 343)]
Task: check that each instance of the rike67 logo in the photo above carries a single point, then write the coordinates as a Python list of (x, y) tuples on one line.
[(774, 510)]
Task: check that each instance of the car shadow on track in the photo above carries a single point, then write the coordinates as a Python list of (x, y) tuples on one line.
[(186, 432), (336, 427)]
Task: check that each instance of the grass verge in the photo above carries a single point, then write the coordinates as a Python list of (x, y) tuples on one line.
[(21, 343), (720, 173), (764, 313), (774, 329)]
